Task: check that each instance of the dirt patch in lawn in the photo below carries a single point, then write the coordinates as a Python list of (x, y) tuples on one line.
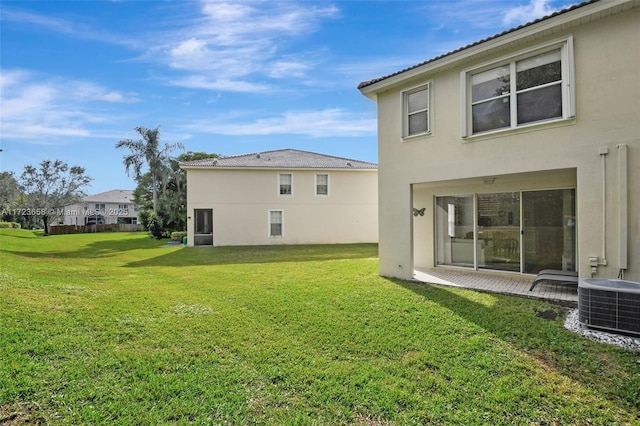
[(21, 414)]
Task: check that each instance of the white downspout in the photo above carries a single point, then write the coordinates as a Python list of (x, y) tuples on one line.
[(622, 207)]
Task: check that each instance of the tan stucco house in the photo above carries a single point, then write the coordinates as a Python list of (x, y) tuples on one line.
[(106, 208), (517, 153), (284, 196)]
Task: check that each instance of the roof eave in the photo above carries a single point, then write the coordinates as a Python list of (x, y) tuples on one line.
[(217, 167), (531, 31), (186, 166)]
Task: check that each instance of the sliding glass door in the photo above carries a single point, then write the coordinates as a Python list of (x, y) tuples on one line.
[(549, 230), (499, 230), (508, 231), (454, 231)]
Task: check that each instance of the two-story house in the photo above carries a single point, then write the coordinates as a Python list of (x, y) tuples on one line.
[(106, 208), (281, 197), (517, 153)]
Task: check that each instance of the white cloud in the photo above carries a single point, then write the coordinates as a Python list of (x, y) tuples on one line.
[(114, 97), (199, 56), (222, 84), (210, 40), (253, 20), (478, 14), (87, 91), (41, 108), (191, 47), (288, 68), (76, 29), (530, 12), (324, 123), (221, 11), (16, 15), (488, 16), (234, 41)]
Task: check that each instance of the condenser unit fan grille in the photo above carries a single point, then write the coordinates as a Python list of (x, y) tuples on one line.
[(611, 310)]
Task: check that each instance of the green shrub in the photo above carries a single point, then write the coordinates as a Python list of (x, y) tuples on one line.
[(178, 235), (14, 225), (155, 227)]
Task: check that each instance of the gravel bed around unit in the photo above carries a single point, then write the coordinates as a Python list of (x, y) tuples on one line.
[(627, 342)]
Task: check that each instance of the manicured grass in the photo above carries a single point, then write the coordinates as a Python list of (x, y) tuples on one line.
[(118, 328)]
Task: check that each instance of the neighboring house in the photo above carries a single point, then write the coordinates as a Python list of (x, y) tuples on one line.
[(105, 208), (517, 153), (281, 197)]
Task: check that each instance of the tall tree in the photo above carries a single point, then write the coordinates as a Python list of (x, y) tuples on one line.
[(175, 189), (51, 187), (9, 194), (147, 151), (172, 192)]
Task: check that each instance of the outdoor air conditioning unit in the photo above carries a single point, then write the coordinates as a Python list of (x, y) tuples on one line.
[(612, 305)]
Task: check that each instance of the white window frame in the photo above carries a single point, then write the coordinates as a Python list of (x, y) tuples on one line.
[(405, 110), (280, 194), (316, 184), (568, 86), (269, 223)]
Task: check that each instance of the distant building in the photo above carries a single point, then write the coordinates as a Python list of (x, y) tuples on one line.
[(110, 207), (281, 197)]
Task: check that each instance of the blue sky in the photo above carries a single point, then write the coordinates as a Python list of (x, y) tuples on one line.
[(227, 78)]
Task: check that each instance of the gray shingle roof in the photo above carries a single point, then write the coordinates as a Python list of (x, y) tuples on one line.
[(568, 9), (122, 196), (281, 159)]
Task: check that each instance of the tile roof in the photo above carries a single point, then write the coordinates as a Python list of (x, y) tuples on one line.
[(568, 9), (281, 159), (121, 196)]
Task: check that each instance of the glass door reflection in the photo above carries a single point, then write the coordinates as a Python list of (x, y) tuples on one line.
[(549, 230), (454, 231), (499, 231)]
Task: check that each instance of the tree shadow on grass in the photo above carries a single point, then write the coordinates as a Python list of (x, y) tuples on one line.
[(26, 235), (228, 255), (55, 247), (525, 324), (91, 250)]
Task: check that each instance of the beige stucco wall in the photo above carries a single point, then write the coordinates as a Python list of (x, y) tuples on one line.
[(607, 84), (241, 200)]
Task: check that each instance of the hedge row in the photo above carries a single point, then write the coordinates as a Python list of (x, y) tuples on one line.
[(178, 235), (14, 225)]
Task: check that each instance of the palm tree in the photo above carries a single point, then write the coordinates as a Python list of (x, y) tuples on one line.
[(147, 150)]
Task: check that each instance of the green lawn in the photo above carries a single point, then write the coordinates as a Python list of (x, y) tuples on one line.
[(117, 328)]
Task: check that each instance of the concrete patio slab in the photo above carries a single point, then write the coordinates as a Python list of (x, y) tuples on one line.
[(511, 284)]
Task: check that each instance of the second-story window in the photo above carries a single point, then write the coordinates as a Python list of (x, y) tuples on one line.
[(526, 89), (322, 184), (285, 181), (416, 111), (100, 208)]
